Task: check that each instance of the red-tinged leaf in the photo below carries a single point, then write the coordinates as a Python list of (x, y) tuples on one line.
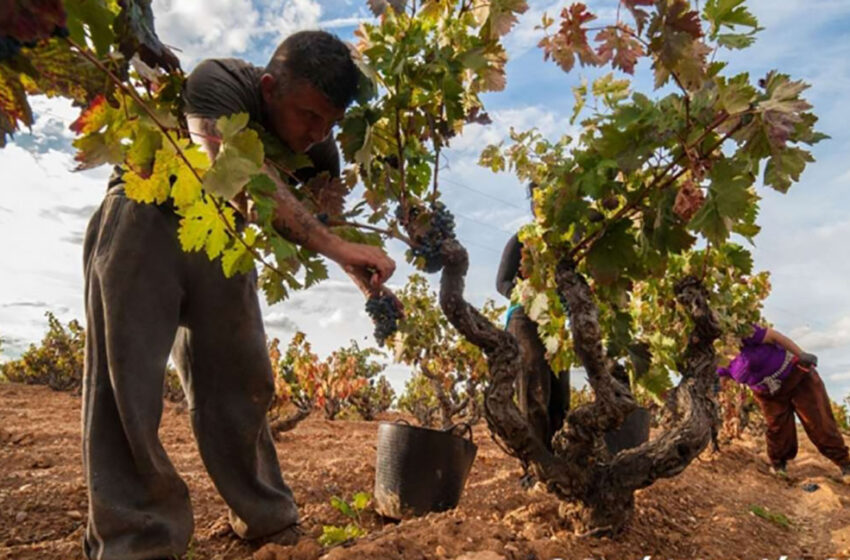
[(14, 107), (571, 39), (679, 16), (92, 118), (31, 20), (503, 15), (328, 193), (378, 7), (621, 47), (55, 70), (689, 199), (640, 15)]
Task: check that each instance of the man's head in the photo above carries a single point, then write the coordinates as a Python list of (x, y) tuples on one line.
[(308, 83), (531, 187)]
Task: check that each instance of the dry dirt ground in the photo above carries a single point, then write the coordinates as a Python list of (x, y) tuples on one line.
[(704, 513)]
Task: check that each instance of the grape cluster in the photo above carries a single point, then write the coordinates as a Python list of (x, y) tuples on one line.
[(430, 244), (385, 315)]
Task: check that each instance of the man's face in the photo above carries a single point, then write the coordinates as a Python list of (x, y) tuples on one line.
[(301, 116)]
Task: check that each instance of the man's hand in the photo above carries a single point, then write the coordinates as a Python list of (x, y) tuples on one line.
[(808, 359), (363, 279), (367, 263)]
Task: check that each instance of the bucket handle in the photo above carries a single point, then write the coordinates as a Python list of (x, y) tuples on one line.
[(461, 429)]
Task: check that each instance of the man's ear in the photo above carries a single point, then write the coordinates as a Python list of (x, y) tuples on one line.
[(268, 85)]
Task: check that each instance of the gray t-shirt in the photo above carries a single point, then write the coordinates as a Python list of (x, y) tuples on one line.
[(226, 86)]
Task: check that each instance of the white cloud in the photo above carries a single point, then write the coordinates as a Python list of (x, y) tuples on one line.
[(836, 336), (46, 204), (280, 322), (335, 318), (476, 137), (221, 28)]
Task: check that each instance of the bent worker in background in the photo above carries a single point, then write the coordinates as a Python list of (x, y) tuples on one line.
[(785, 382), (542, 396)]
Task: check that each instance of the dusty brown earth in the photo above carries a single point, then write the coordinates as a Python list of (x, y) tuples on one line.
[(704, 513)]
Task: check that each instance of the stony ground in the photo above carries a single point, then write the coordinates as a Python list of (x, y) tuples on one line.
[(704, 513)]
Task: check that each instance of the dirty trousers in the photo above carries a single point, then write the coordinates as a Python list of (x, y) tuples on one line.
[(542, 396), (802, 392), (144, 297)]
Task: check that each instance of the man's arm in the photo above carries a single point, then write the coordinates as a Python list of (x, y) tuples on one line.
[(776, 337), (293, 221), (509, 267)]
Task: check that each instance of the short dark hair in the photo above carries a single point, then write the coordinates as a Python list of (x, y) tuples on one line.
[(322, 60)]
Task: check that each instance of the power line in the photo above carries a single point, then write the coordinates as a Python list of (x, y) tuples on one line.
[(482, 193), (485, 224)]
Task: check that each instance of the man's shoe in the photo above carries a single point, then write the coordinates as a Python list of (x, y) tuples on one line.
[(780, 470)]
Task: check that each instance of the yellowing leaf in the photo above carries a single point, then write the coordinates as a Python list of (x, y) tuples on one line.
[(237, 259), (201, 227), (187, 188), (150, 190)]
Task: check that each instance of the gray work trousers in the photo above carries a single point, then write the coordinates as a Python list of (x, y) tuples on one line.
[(146, 298), (543, 397)]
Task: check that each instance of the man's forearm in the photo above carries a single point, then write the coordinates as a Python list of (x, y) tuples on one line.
[(294, 222)]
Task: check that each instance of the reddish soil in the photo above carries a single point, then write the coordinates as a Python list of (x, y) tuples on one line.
[(703, 513)]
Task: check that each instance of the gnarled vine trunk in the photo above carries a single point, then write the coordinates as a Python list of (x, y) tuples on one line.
[(598, 487)]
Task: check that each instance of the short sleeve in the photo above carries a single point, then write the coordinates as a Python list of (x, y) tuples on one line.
[(218, 88), (757, 337)]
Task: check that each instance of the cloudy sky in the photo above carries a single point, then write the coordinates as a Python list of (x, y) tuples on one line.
[(804, 242)]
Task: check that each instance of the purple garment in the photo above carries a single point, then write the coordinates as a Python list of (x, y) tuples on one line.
[(758, 361)]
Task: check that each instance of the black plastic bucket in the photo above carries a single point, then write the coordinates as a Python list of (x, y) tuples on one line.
[(633, 432), (419, 470)]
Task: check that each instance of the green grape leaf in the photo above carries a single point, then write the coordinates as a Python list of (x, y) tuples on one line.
[(736, 40), (96, 149), (728, 13), (239, 157), (260, 188), (785, 167), (612, 254), (229, 126), (580, 96), (94, 16), (737, 94)]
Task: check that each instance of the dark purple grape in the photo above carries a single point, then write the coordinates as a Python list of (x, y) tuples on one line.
[(429, 246), (385, 315)]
